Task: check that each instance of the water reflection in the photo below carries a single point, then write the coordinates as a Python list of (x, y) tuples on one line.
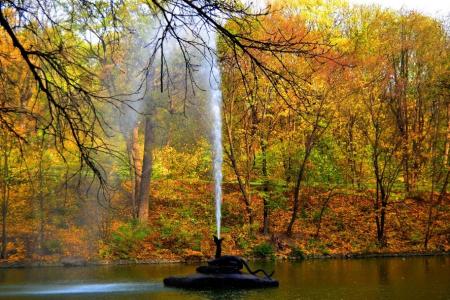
[(223, 295), (383, 272), (65, 289), (388, 278)]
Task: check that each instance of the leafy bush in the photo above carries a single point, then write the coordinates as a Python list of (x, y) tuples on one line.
[(319, 246), (324, 250), (52, 247), (170, 163), (264, 250), (416, 238), (316, 216), (127, 238), (297, 253), (242, 242), (175, 237), (325, 163)]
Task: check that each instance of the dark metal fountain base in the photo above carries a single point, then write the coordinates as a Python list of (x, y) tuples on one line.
[(224, 272), (220, 281)]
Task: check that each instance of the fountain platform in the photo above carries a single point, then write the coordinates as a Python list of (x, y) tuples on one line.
[(223, 272), (220, 281)]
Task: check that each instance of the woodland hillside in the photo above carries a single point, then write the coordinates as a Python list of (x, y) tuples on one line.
[(336, 130)]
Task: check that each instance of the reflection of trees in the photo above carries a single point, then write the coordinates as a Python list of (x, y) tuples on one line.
[(383, 272), (224, 294)]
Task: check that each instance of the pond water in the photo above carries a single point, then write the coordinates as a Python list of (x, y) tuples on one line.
[(380, 278)]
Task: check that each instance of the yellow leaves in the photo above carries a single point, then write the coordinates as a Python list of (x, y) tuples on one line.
[(171, 163)]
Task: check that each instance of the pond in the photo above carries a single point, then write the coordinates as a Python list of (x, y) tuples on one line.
[(377, 278)]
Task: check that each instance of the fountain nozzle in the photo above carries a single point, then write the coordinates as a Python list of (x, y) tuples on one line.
[(218, 243)]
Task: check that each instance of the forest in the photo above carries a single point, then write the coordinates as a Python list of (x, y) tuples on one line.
[(335, 129)]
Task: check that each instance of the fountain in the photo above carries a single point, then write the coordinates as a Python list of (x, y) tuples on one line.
[(223, 271)]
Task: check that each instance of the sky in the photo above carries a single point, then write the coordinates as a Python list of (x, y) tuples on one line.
[(429, 7), (434, 8)]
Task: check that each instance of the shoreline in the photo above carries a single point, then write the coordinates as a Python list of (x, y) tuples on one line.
[(81, 262)]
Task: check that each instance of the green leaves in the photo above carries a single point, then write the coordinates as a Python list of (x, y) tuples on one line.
[(264, 250), (127, 239)]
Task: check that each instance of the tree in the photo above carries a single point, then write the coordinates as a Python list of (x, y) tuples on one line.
[(316, 126), (5, 188), (384, 148)]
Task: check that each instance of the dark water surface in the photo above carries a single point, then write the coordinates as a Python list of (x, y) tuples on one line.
[(381, 278)]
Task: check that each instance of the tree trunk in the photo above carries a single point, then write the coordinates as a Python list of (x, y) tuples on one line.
[(430, 218), (135, 168), (447, 140), (5, 196), (432, 205), (404, 65), (40, 197), (322, 211), (41, 210), (4, 214), (300, 176), (265, 188), (287, 161), (406, 173), (243, 187), (380, 216), (399, 107), (436, 175), (380, 198), (352, 151), (144, 190), (382, 237)]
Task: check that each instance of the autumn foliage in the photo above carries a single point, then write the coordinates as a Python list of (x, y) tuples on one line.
[(337, 145)]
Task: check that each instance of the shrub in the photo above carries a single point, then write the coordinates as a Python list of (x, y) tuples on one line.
[(52, 247), (324, 250), (171, 163), (318, 246), (242, 242), (264, 250), (174, 236), (127, 238), (416, 238), (297, 253)]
